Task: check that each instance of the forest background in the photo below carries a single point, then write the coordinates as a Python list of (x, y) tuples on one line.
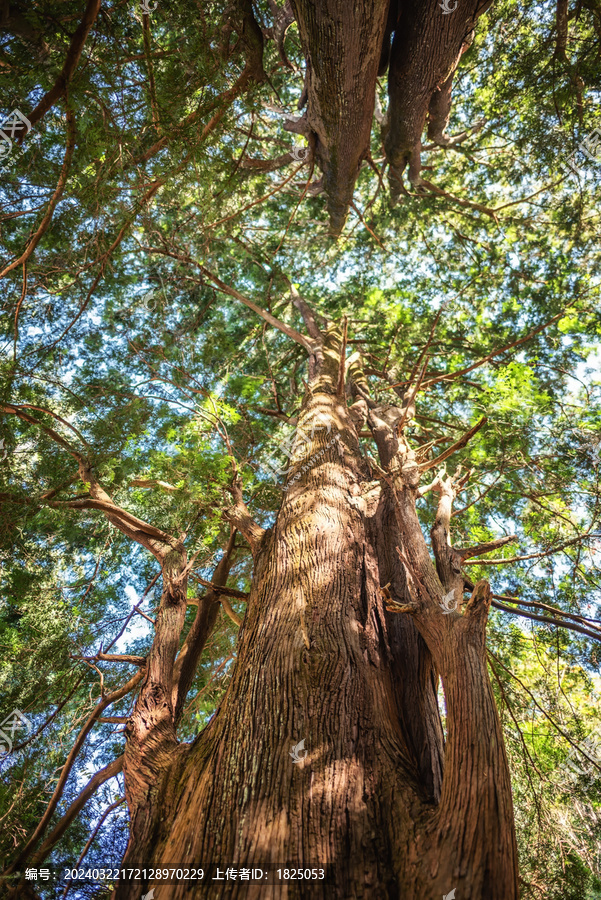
[(158, 190)]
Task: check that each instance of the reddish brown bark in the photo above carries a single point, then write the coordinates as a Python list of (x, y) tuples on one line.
[(346, 45), (378, 802), (342, 43)]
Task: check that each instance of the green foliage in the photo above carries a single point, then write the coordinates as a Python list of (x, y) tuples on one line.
[(123, 335)]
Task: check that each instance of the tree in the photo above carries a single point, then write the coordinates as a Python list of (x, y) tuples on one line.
[(355, 603)]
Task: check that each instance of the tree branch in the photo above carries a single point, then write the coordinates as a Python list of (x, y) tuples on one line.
[(74, 52), (18, 411), (490, 356), (240, 516), (309, 317), (113, 657), (544, 712), (456, 446), (459, 200), (512, 559), (107, 700), (227, 592), (109, 771), (479, 549), (572, 626), (92, 838), (561, 22), (266, 316), (204, 621), (42, 227)]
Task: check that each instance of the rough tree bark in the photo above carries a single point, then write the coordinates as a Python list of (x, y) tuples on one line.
[(342, 646), (346, 46), (341, 43)]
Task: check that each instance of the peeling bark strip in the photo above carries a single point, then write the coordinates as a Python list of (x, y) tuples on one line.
[(329, 656), (341, 42)]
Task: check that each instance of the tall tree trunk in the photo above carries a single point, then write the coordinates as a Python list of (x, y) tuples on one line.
[(342, 45), (378, 802)]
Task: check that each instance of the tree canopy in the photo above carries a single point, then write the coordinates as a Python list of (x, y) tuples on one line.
[(161, 229)]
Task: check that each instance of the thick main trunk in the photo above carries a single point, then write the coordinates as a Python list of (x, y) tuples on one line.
[(321, 660)]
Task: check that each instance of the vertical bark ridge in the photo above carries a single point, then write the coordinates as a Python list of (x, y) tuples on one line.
[(340, 89)]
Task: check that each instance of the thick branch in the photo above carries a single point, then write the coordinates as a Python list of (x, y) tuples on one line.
[(340, 90), (19, 411), (204, 621), (281, 326), (70, 64), (240, 516), (283, 17), (309, 317), (561, 20), (267, 165), (468, 552), (43, 226), (114, 657), (225, 591)]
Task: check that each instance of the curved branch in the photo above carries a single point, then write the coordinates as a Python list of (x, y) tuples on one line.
[(490, 356), (18, 411), (43, 226), (281, 326), (309, 317), (512, 559), (109, 771), (468, 552), (458, 445), (107, 700), (45, 724), (74, 52), (572, 626)]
